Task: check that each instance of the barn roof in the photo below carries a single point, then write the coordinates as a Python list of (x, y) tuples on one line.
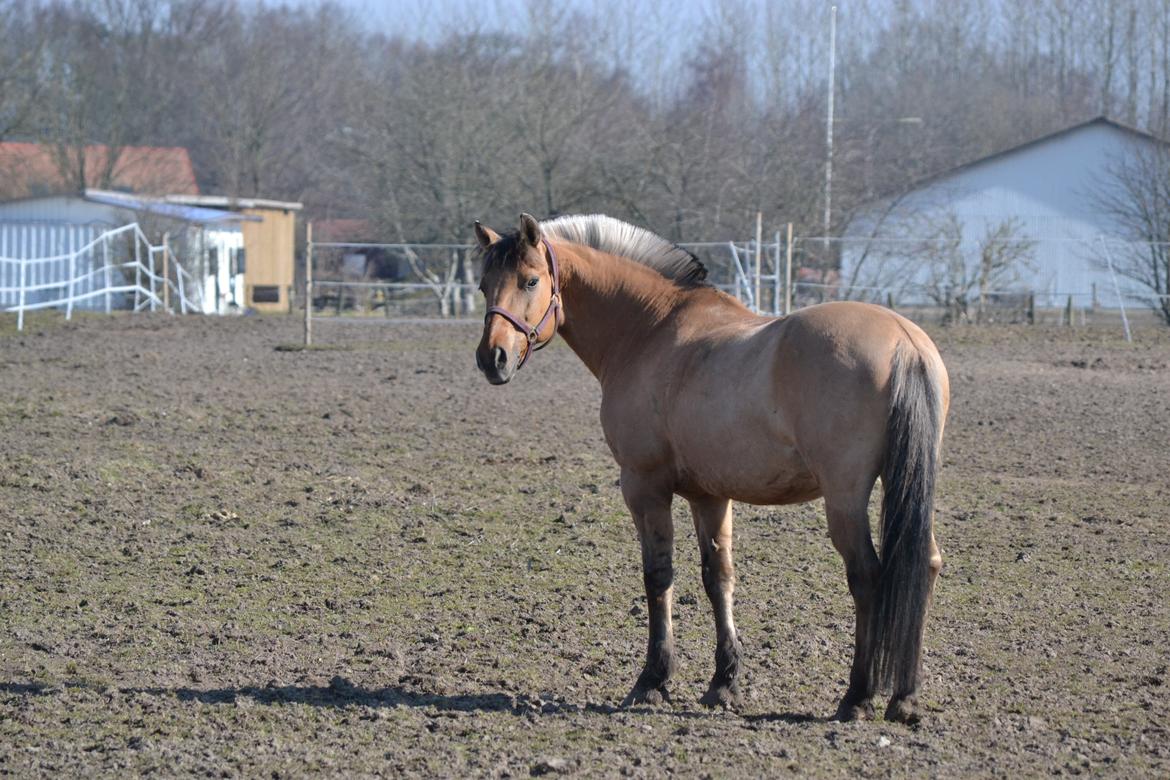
[(1098, 121), (31, 169)]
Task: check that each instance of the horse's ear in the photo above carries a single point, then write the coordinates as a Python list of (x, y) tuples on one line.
[(529, 229), (485, 235)]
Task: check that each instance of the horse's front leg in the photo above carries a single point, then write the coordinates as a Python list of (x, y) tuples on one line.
[(713, 529), (649, 503)]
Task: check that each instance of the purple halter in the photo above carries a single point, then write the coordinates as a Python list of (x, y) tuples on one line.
[(532, 333)]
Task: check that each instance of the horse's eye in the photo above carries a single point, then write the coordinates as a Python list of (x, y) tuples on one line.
[(531, 284)]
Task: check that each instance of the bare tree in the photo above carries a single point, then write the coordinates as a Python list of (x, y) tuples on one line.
[(1137, 196), (961, 272), (22, 41), (268, 82), (99, 92), (688, 124)]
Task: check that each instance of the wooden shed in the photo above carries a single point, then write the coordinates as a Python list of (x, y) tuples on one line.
[(269, 246)]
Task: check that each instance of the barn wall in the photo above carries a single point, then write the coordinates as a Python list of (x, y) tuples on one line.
[(30, 240), (1051, 189)]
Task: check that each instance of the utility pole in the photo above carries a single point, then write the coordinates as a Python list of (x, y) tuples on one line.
[(829, 127)]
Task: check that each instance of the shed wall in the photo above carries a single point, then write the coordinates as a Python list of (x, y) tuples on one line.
[(270, 247)]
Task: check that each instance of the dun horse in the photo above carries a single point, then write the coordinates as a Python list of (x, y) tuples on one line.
[(703, 399)]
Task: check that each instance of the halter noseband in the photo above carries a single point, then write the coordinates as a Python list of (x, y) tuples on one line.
[(532, 333)]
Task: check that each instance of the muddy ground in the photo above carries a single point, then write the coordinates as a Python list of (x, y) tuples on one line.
[(226, 559)]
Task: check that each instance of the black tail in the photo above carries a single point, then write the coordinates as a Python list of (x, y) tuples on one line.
[(911, 462)]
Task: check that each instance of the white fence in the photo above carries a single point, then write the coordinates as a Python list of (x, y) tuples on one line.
[(1053, 281), (68, 267), (414, 280)]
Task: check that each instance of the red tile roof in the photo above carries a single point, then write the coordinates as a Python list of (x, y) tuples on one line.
[(342, 230), (28, 169)]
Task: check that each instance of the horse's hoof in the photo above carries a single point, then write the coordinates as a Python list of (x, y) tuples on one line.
[(726, 696), (904, 710), (849, 711), (650, 696)]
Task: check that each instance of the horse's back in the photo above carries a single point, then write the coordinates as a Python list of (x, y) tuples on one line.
[(768, 411)]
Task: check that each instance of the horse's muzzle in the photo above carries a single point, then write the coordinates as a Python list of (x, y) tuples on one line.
[(497, 366)]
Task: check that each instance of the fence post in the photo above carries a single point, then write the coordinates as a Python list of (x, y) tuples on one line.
[(788, 274), (309, 284), (153, 288), (166, 253), (182, 293), (72, 273), (468, 284), (20, 300), (759, 265), (776, 278), (741, 277), (106, 267), (1116, 288), (137, 273), (1068, 312)]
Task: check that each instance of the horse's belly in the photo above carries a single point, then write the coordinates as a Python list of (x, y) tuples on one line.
[(748, 469)]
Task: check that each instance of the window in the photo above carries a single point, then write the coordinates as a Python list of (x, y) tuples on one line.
[(266, 293)]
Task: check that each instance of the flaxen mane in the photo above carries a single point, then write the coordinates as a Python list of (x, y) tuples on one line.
[(607, 234)]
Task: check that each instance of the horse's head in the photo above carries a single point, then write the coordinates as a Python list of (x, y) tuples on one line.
[(521, 287)]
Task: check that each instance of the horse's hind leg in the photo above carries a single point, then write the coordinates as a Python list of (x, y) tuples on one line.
[(650, 506), (903, 706), (713, 528), (849, 530)]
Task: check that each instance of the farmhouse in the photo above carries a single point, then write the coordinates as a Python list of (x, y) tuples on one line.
[(1038, 205)]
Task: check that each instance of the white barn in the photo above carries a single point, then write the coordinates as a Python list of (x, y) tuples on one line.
[(1047, 192)]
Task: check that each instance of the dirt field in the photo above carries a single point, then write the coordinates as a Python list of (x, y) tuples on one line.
[(225, 559)]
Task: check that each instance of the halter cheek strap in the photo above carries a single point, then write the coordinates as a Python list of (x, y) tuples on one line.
[(532, 332)]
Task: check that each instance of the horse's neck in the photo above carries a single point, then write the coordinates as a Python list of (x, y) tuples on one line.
[(611, 306)]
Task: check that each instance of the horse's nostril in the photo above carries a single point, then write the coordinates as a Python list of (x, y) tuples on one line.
[(500, 357)]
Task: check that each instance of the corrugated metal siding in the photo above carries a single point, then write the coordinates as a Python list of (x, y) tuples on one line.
[(34, 240)]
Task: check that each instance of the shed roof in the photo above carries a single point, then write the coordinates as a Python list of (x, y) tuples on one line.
[(161, 208), (224, 202)]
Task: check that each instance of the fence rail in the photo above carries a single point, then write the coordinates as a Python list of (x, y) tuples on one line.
[(94, 270), (769, 274)]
